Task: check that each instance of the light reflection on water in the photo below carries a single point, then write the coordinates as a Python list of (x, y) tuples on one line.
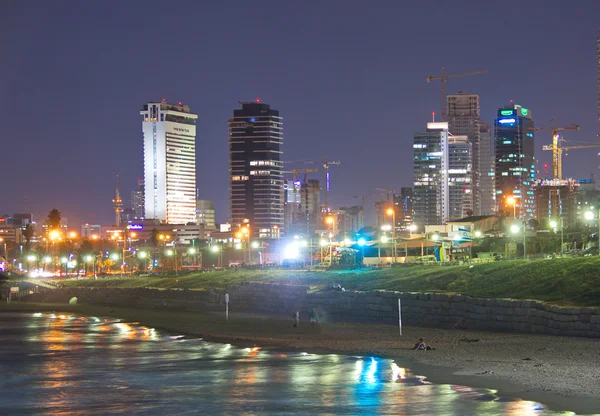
[(66, 365)]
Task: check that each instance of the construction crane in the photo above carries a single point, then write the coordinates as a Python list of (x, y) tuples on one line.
[(444, 78), (362, 200), (557, 148), (325, 163), (295, 173), (388, 192)]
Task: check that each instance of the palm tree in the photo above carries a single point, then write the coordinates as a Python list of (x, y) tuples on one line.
[(54, 218), (27, 233)]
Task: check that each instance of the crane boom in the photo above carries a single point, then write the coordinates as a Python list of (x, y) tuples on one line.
[(557, 148), (444, 78)]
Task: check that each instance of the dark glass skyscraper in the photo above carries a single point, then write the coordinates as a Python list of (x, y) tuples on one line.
[(255, 169), (515, 161)]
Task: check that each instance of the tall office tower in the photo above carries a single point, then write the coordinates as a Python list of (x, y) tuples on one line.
[(137, 200), (310, 206), (457, 178), (255, 168), (205, 214), (486, 192), (169, 162), (404, 208), (427, 175), (442, 169), (463, 120), (515, 162)]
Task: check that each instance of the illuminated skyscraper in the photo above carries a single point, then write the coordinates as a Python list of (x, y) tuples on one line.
[(169, 162), (442, 166), (255, 169), (515, 161), (137, 200)]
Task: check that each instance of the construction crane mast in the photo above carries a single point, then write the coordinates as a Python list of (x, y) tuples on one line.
[(557, 148), (444, 78), (325, 163), (362, 200)]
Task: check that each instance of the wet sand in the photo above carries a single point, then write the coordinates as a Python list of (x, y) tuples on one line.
[(561, 372)]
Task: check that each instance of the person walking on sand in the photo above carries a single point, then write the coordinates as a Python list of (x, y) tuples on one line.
[(313, 316), (296, 319)]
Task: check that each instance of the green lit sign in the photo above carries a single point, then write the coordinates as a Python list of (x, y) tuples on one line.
[(524, 111), (506, 112)]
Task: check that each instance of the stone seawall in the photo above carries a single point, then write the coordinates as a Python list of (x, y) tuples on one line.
[(438, 310)]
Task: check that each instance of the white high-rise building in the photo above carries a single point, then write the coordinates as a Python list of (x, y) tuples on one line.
[(442, 168), (169, 162), (464, 120)]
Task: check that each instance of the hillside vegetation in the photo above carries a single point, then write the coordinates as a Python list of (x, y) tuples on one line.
[(573, 281)]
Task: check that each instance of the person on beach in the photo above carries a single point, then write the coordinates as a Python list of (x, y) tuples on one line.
[(313, 316), (296, 319), (421, 346)]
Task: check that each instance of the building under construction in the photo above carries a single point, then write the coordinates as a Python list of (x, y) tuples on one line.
[(555, 200)]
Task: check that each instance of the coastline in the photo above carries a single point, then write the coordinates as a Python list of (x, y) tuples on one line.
[(562, 373)]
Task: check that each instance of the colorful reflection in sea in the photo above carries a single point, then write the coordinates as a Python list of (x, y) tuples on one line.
[(60, 364)]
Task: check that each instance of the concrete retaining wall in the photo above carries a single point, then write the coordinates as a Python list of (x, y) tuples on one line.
[(437, 310)]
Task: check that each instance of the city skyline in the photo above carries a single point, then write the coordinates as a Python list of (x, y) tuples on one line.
[(351, 77)]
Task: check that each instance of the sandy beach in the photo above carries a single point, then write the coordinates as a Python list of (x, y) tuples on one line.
[(561, 372)]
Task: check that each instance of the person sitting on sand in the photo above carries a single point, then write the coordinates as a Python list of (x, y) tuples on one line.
[(420, 345)]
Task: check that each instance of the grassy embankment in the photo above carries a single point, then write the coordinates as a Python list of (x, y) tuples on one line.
[(574, 281)]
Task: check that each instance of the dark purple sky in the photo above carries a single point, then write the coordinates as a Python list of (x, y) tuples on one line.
[(347, 76)]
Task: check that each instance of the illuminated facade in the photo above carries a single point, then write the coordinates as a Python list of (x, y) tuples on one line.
[(169, 162), (442, 169), (256, 191), (137, 200), (515, 162), (205, 214)]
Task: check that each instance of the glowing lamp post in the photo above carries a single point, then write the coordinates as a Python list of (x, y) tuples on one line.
[(392, 212), (555, 225), (143, 255), (216, 249), (589, 215), (361, 242), (511, 200), (515, 230), (173, 253)]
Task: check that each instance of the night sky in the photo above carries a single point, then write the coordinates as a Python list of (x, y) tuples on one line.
[(347, 76)]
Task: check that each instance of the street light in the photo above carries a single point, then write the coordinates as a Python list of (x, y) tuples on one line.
[(392, 212), (589, 215), (170, 253), (511, 200), (143, 255), (89, 258), (515, 229), (64, 260), (216, 249), (554, 225)]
